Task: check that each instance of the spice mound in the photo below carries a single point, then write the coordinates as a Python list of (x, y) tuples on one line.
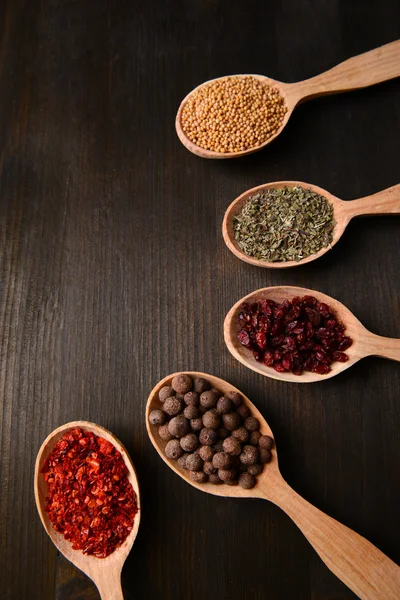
[(233, 114), (297, 335), (282, 224), (210, 434), (90, 500)]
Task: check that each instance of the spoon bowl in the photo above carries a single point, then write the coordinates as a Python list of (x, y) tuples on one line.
[(364, 344), (359, 564), (105, 572), (384, 202), (375, 66)]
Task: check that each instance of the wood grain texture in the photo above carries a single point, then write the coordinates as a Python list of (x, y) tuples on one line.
[(114, 273)]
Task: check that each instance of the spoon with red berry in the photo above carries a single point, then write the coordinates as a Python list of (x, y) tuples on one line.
[(116, 465), (355, 561), (300, 335)]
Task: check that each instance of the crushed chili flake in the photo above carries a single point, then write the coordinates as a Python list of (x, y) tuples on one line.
[(90, 500), (296, 335)]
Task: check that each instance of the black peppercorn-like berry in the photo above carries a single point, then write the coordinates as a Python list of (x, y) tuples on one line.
[(241, 434), (252, 424), (211, 419), (224, 405), (189, 442), (247, 481), (178, 426), (199, 476), (157, 417), (265, 456), (243, 411), (235, 397), (191, 398), (173, 449), (206, 453), (196, 424), (232, 446), (266, 442), (227, 475), (166, 392), (194, 462), (254, 437), (231, 421), (213, 478), (208, 436), (255, 469), (191, 412), (223, 433), (222, 460), (201, 385), (164, 433), (172, 406), (249, 455), (182, 460), (182, 383), (208, 399), (209, 468)]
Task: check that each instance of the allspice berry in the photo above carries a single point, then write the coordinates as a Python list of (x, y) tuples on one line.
[(227, 475), (243, 411), (201, 385), (254, 437), (182, 460), (266, 442), (208, 436), (231, 421), (252, 424), (209, 399), (265, 455), (224, 405), (255, 469), (191, 398), (213, 478), (221, 460), (241, 434), (164, 433), (232, 446), (198, 476), (166, 392), (172, 406), (249, 455), (182, 383), (173, 449), (191, 411), (235, 398), (194, 462), (211, 419), (196, 424), (178, 426), (157, 417), (209, 468), (218, 447), (247, 481), (206, 453), (189, 442)]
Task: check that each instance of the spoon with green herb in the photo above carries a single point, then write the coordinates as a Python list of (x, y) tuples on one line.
[(289, 223)]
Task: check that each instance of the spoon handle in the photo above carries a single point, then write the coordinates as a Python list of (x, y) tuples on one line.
[(377, 345), (355, 561), (108, 582), (384, 202), (366, 69)]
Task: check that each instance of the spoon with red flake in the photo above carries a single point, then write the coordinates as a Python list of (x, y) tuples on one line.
[(105, 572)]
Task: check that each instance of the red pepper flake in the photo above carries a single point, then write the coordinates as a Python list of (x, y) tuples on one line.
[(297, 335), (90, 500)]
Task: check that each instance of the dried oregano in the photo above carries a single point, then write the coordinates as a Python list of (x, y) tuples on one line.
[(283, 224)]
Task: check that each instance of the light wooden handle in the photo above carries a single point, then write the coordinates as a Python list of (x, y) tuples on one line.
[(109, 585), (376, 345), (355, 561), (385, 202), (360, 71)]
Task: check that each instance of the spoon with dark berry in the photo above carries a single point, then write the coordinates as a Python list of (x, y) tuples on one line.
[(213, 437), (300, 335)]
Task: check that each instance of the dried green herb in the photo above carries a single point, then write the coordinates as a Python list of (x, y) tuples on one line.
[(283, 224)]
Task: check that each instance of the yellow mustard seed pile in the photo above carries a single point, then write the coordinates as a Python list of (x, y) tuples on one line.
[(233, 114)]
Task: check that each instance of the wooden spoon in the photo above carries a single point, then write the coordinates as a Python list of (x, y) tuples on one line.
[(105, 572), (385, 202), (355, 561), (375, 66), (364, 344)]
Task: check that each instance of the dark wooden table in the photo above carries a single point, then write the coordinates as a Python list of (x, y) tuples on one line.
[(114, 274)]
